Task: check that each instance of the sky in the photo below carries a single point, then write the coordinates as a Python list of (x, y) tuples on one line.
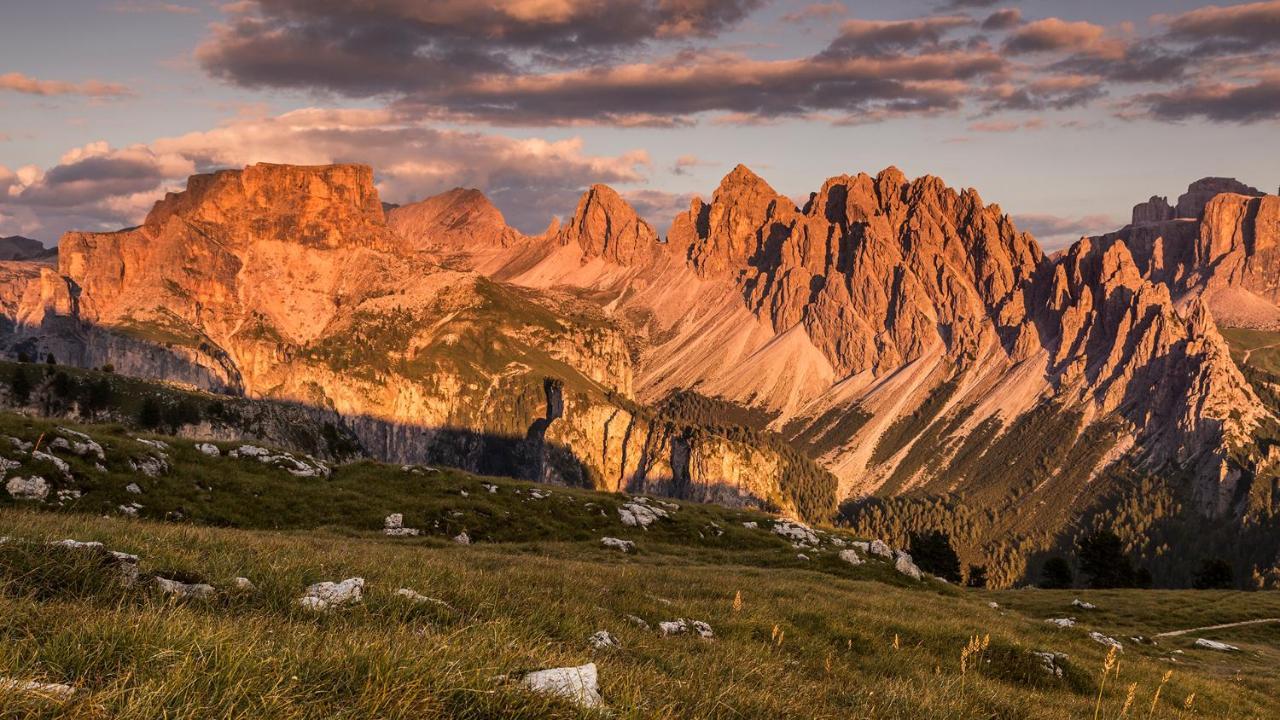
[(1065, 113)]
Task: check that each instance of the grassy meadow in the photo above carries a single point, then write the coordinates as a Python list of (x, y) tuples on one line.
[(795, 637)]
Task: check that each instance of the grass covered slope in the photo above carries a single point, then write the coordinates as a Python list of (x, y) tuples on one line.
[(788, 642), (795, 637)]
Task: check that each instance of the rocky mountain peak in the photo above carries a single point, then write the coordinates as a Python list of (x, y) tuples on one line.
[(605, 225), (313, 205), (1192, 203), (461, 217), (17, 247)]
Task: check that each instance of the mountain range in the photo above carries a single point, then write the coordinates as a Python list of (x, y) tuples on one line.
[(895, 354)]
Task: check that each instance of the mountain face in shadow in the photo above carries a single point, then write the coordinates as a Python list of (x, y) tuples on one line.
[(893, 337)]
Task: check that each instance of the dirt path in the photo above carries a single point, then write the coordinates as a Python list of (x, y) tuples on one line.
[(1216, 627)]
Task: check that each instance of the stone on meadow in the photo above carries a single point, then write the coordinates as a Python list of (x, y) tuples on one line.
[(577, 684)]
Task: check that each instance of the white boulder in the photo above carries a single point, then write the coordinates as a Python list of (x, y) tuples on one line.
[(209, 449), (903, 563), (638, 513), (578, 684), (1215, 645), (1062, 622), (198, 591), (851, 556), (462, 538), (1104, 640), (797, 532), (1052, 662), (604, 640), (880, 549), (48, 691), (625, 546), (324, 596), (1083, 605), (682, 626), (32, 488), (393, 526)]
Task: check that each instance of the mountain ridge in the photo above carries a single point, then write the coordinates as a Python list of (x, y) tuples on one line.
[(883, 329)]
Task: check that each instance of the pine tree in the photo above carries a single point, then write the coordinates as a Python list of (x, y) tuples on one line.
[(1103, 559), (1214, 574), (1056, 574)]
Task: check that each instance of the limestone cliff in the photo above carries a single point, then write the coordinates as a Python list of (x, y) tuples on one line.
[(287, 283)]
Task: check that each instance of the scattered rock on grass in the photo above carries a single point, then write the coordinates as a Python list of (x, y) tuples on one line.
[(682, 626), (851, 556), (1052, 662), (880, 549), (638, 513), (993, 605), (1083, 605), (209, 449), (462, 538), (418, 598), (578, 684), (54, 460), (751, 525), (324, 596), (1215, 645), (244, 584), (903, 563), (1062, 622), (33, 488), (490, 487), (126, 564), (1104, 640), (625, 546), (176, 588), (131, 510), (82, 444), (798, 533), (133, 489), (638, 622), (393, 526), (48, 691), (603, 640)]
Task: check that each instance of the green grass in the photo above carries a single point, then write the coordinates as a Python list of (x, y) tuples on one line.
[(1262, 346), (804, 644), (812, 638)]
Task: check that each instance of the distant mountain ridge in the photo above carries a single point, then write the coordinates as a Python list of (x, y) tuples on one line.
[(17, 247), (904, 336)]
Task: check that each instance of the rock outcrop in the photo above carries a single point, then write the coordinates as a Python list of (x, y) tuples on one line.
[(1157, 209), (605, 226), (1192, 203)]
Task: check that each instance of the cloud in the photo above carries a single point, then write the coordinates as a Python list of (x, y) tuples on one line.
[(686, 163), (816, 11), (886, 37), (1007, 126), (1003, 19), (1055, 231), (1057, 35), (376, 47), (658, 207), (27, 85), (1046, 92), (100, 187), (1255, 99), (135, 6), (1236, 28), (670, 90)]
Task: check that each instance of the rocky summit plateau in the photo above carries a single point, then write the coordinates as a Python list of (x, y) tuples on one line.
[(895, 355)]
